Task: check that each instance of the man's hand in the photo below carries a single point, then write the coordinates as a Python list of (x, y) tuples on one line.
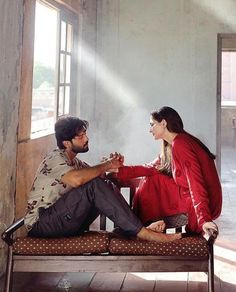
[(117, 156), (78, 177), (116, 161)]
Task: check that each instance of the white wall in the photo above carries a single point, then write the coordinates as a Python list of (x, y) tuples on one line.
[(151, 53)]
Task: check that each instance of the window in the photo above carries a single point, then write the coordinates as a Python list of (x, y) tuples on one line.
[(54, 84), (65, 68), (228, 78)]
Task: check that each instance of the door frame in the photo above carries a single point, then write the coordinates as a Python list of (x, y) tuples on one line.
[(220, 47), (218, 103)]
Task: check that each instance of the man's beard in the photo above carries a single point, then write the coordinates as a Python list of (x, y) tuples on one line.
[(77, 149)]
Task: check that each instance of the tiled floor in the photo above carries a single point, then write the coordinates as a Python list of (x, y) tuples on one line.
[(225, 260)]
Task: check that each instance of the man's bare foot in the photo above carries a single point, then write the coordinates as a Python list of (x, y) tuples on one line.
[(148, 234), (158, 226)]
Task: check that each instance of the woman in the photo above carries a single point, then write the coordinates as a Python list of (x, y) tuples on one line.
[(183, 179)]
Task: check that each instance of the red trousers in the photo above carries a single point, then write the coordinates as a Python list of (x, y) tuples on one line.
[(158, 195)]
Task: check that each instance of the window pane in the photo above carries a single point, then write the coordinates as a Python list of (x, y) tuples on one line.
[(61, 101), (63, 36), (68, 66), (67, 100), (62, 68), (44, 71), (69, 37)]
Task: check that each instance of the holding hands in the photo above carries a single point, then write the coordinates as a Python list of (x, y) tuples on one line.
[(116, 160)]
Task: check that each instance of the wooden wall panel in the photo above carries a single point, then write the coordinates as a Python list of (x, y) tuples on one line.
[(26, 71), (30, 154)]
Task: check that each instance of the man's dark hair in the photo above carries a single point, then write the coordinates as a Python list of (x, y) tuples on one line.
[(66, 128)]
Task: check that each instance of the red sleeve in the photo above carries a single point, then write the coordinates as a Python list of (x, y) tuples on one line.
[(128, 172), (184, 153)]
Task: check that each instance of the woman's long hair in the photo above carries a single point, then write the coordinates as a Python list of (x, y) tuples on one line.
[(174, 125)]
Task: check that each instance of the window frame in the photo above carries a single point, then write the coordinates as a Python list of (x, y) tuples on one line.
[(68, 17), (27, 63)]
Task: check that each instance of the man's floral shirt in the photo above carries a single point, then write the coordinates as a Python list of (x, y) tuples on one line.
[(47, 187)]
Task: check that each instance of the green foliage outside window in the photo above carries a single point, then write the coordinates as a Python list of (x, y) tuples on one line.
[(43, 74)]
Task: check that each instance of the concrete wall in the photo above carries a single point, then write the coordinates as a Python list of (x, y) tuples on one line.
[(11, 17), (149, 54)]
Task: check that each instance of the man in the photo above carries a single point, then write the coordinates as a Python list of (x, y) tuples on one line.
[(68, 194)]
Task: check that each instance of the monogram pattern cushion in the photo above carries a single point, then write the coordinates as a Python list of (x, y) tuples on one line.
[(194, 246), (91, 242)]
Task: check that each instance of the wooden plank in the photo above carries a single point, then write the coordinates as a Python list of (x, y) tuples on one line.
[(225, 272), (51, 282), (103, 263), (29, 156), (26, 71), (139, 282), (107, 282), (169, 282), (20, 281), (106, 257), (197, 282), (218, 287), (28, 281), (227, 287), (75, 282)]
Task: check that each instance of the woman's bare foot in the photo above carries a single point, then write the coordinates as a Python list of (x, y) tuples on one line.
[(158, 226), (148, 234)]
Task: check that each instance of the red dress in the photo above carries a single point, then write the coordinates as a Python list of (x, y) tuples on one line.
[(195, 187)]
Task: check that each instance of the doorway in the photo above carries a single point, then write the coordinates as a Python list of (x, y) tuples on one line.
[(226, 108)]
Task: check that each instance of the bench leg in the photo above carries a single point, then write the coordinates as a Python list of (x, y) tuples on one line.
[(8, 276), (211, 270)]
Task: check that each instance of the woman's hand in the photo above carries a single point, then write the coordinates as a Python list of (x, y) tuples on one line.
[(116, 161), (209, 225), (158, 226), (118, 156)]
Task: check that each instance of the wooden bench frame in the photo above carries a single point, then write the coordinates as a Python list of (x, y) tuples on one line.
[(105, 263)]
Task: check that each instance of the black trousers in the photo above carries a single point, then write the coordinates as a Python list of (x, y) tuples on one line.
[(77, 209)]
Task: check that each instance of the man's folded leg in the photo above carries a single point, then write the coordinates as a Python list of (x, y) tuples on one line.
[(81, 206)]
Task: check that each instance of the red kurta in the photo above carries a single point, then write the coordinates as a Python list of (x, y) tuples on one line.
[(195, 187)]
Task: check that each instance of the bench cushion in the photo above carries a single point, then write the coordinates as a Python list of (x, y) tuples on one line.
[(93, 242), (194, 246)]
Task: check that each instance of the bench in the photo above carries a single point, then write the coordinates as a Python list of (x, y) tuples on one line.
[(103, 251)]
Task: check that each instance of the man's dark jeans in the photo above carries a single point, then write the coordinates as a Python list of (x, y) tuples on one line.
[(77, 209)]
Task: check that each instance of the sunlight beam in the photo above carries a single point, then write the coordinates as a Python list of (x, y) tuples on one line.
[(221, 12), (225, 253), (110, 82)]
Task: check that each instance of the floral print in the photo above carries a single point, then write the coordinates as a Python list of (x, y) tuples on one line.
[(47, 187)]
